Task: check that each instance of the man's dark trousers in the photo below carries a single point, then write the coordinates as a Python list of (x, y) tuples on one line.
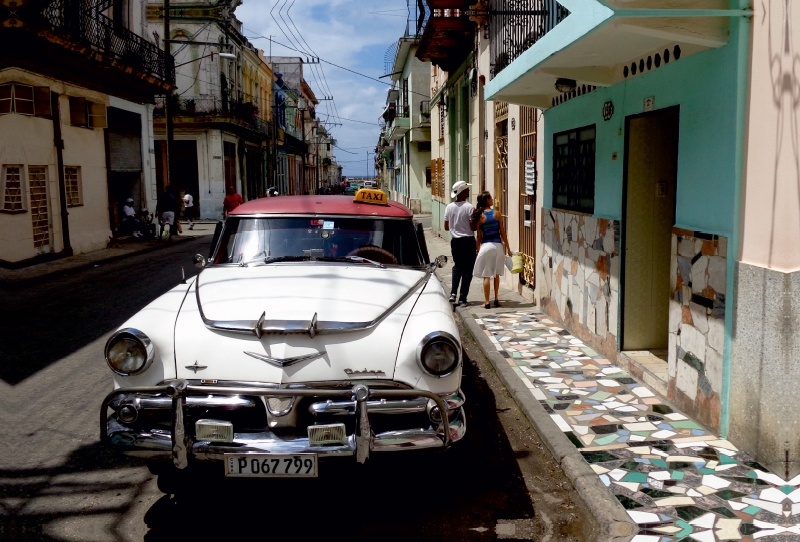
[(463, 249)]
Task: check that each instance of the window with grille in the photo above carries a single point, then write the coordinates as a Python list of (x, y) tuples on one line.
[(574, 169), (24, 100), (13, 189), (72, 181), (40, 216)]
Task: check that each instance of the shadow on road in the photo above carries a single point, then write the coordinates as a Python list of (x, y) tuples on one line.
[(43, 323), (94, 488)]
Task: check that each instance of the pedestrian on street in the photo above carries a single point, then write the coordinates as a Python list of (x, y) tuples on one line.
[(189, 209), (232, 201), (165, 211), (457, 217), (129, 220), (492, 246)]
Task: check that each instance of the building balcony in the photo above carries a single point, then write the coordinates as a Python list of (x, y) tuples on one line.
[(425, 113), (448, 35), (211, 109), (398, 128), (82, 24)]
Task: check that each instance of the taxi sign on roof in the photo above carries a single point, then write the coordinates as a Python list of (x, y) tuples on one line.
[(371, 195)]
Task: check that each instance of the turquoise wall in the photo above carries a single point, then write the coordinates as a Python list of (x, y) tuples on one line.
[(704, 85)]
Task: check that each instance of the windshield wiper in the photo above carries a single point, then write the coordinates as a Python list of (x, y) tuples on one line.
[(356, 259), (287, 259)]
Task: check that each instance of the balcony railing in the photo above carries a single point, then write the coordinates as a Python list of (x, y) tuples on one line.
[(212, 106), (79, 22), (515, 25), (424, 111)]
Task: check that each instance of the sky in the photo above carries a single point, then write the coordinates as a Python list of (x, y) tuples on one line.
[(354, 34)]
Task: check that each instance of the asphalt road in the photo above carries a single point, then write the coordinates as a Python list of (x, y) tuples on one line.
[(58, 483)]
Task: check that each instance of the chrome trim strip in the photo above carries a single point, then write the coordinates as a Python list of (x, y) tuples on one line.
[(311, 327), (277, 362), (348, 408)]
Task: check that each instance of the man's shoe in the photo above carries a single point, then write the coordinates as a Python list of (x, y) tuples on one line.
[(452, 298), (462, 303)]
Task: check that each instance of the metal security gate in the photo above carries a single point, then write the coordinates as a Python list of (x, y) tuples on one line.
[(527, 202), (501, 159), (40, 211)]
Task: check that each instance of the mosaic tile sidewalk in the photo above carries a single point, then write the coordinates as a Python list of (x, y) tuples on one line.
[(677, 481)]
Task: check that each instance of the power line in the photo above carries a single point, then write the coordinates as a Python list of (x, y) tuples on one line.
[(354, 120), (258, 36)]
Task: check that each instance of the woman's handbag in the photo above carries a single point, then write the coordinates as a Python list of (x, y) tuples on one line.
[(516, 263)]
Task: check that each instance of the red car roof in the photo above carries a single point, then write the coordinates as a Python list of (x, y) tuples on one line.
[(320, 205)]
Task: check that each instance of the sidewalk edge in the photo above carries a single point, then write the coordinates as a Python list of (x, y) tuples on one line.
[(40, 278), (615, 524)]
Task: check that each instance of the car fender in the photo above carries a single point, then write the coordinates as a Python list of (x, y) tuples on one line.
[(157, 321), (432, 312)]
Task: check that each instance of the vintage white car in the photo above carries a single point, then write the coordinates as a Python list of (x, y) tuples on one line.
[(315, 330)]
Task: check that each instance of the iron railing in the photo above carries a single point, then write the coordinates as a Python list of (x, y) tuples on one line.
[(205, 106), (80, 22), (515, 25)]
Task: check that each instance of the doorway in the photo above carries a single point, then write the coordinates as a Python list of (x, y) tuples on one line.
[(650, 185)]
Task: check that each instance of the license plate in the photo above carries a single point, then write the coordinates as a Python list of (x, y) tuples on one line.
[(271, 465)]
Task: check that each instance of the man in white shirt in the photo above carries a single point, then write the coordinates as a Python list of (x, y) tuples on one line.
[(129, 216), (188, 205), (462, 243)]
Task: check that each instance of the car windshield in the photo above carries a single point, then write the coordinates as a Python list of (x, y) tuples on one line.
[(336, 238)]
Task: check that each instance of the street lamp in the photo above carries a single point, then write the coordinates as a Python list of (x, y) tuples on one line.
[(229, 56)]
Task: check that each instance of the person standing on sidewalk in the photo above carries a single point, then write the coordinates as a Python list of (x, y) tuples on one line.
[(492, 246), (165, 211), (232, 201), (188, 206), (462, 241)]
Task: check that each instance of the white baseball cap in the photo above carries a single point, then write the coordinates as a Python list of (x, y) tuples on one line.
[(459, 187)]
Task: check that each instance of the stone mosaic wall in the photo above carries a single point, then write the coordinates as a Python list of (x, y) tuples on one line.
[(580, 276), (697, 323)]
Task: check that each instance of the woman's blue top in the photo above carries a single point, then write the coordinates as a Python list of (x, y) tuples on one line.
[(490, 229)]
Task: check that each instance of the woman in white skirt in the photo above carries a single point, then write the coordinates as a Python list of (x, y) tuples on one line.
[(492, 246)]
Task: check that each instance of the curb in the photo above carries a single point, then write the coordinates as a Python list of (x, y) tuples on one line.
[(87, 265), (615, 524)]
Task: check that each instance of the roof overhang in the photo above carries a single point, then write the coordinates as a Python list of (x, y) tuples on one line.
[(404, 46), (598, 40)]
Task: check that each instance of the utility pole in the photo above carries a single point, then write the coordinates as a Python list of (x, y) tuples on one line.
[(168, 99)]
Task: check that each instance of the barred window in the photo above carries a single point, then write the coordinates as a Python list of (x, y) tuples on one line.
[(13, 189), (72, 180), (574, 169)]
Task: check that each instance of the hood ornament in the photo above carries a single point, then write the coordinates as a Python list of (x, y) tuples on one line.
[(196, 367), (277, 362)]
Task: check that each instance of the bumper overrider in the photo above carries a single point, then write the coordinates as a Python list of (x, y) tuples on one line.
[(359, 401)]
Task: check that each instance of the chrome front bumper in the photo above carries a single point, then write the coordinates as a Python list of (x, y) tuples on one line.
[(359, 400)]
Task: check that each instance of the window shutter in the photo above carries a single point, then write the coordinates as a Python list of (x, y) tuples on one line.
[(23, 99), (5, 98), (77, 111), (41, 102)]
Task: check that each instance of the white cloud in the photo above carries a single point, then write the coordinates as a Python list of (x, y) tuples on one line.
[(342, 32)]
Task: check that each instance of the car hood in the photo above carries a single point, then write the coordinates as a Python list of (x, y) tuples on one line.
[(294, 292)]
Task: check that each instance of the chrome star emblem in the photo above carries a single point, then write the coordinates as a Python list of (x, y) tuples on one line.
[(196, 367)]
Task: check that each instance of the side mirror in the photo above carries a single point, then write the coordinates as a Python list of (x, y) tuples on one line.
[(199, 261), (440, 261)]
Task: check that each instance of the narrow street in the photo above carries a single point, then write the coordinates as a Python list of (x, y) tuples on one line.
[(58, 483)]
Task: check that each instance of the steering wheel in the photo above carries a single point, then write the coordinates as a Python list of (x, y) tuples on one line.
[(374, 253)]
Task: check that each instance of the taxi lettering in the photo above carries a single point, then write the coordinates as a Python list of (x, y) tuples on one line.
[(366, 195)]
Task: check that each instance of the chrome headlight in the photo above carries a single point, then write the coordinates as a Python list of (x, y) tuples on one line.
[(439, 354), (129, 352)]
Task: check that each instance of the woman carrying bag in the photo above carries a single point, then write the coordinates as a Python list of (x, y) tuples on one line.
[(492, 246)]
